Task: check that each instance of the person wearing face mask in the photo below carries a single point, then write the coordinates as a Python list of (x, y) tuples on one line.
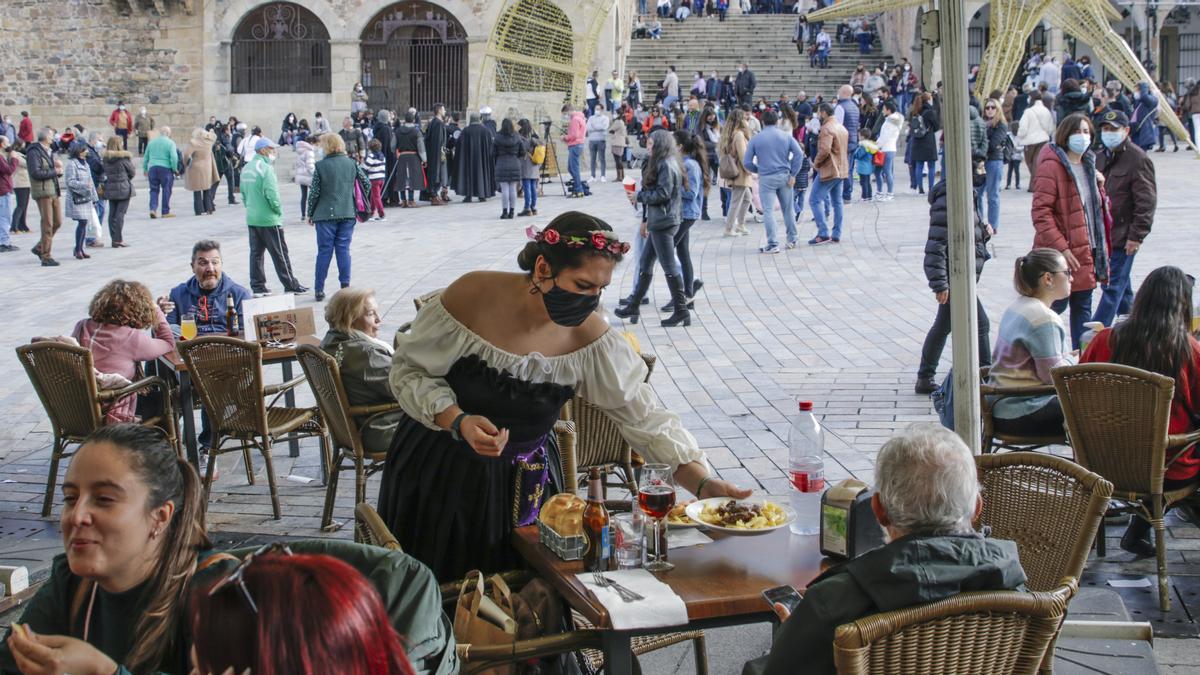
[(481, 378), (1067, 215), (745, 84), (264, 218), (1133, 194), (1143, 122), (122, 123)]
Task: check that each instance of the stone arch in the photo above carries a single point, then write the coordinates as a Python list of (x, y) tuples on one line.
[(236, 11), (280, 48), (534, 47), (414, 53)]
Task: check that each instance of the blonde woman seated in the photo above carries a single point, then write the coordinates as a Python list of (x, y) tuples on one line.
[(364, 360)]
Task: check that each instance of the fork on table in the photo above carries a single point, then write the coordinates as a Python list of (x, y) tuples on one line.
[(624, 593)]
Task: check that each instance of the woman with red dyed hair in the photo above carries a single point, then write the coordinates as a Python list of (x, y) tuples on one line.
[(280, 613)]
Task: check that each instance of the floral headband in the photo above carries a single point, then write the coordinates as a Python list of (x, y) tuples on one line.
[(601, 240)]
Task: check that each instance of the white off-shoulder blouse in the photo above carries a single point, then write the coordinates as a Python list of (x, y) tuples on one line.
[(607, 373)]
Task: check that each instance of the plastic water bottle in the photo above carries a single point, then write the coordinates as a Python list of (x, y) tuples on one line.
[(806, 470)]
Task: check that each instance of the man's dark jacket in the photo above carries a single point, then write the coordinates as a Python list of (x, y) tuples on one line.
[(1132, 191), (937, 257)]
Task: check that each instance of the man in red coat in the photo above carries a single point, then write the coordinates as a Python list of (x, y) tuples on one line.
[(25, 128), (122, 123)]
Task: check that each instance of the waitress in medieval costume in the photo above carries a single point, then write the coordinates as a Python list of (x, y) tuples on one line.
[(481, 378)]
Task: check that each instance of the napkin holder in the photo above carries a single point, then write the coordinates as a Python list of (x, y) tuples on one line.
[(848, 526)]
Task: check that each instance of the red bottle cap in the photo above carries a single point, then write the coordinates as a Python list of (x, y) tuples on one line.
[(805, 406)]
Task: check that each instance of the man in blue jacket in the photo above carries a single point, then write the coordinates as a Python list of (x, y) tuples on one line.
[(776, 157)]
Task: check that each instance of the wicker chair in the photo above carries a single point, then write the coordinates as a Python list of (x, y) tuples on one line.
[(997, 440), (345, 438), (64, 378), (227, 373), (1051, 507), (971, 633), (1118, 418), (369, 528), (599, 442)]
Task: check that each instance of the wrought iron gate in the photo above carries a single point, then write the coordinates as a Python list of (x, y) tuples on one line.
[(415, 55)]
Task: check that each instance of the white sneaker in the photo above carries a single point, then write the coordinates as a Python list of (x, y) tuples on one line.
[(603, 179), (205, 458)]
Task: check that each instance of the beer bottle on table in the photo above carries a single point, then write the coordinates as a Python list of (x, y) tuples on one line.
[(231, 318), (598, 553)]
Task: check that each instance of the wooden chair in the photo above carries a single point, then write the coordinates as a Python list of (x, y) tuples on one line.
[(986, 633), (1118, 418), (64, 377), (227, 373), (599, 442), (345, 437), (1050, 507), (994, 440)]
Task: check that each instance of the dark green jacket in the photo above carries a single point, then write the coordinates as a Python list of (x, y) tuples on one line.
[(912, 570), (331, 195), (365, 366)]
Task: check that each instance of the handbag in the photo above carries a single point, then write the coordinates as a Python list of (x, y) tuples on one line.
[(504, 617), (362, 210), (877, 159)]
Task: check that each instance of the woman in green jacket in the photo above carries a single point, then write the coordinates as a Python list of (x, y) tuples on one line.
[(331, 209)]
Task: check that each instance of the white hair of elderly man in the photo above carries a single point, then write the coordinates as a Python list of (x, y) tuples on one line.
[(927, 483)]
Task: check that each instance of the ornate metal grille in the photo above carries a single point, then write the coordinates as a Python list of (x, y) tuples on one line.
[(540, 44), (414, 54), (280, 48)]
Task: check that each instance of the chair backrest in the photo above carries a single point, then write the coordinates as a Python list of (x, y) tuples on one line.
[(1117, 418), (971, 633), (227, 372), (599, 439), (65, 380), (371, 529), (321, 371), (1050, 506)]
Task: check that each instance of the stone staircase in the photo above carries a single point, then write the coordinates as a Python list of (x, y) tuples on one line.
[(763, 41)]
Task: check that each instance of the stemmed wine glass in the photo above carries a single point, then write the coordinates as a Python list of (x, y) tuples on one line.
[(656, 496)]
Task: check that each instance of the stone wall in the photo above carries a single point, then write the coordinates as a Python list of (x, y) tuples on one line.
[(69, 61)]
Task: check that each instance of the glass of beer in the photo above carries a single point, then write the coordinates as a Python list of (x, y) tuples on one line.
[(187, 326), (656, 496)]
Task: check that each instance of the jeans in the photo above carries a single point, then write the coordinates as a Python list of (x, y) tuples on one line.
[(333, 238), (683, 253), (5, 219), (1014, 170), (1117, 297), (100, 209), (921, 168), (161, 180), (661, 247), (143, 141), (1080, 303), (935, 340), (642, 7), (529, 187), (508, 195), (124, 134), (864, 180), (574, 152), (303, 199), (596, 149), (887, 172), (821, 192), (116, 220), (995, 171), (669, 101), (798, 195), (202, 201), (848, 184), (772, 187)]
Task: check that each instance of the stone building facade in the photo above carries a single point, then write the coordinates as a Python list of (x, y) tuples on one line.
[(187, 59)]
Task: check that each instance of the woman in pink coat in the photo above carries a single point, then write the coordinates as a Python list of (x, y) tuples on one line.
[(116, 333)]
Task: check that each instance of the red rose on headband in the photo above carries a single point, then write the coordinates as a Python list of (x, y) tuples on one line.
[(599, 240), (550, 236)]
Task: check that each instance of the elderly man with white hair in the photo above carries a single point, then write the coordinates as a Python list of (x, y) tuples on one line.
[(927, 498)]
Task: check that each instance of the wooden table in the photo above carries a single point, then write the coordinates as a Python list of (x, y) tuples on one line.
[(721, 582), (284, 357)]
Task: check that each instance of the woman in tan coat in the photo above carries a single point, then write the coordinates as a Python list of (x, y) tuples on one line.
[(200, 173), (731, 150)]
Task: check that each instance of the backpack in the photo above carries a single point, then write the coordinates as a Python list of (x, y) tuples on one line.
[(538, 155), (917, 127)]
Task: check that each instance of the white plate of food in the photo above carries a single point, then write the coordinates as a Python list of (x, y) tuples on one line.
[(678, 517), (741, 516)]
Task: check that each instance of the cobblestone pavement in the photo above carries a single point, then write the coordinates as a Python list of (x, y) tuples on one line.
[(839, 324)]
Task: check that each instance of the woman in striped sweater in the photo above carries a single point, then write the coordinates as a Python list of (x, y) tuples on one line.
[(1033, 341)]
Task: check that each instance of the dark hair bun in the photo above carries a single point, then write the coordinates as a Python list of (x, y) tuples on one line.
[(528, 256)]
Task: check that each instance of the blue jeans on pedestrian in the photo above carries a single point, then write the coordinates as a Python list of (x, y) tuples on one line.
[(923, 167), (574, 153), (798, 194), (820, 193), (848, 185), (1117, 297), (5, 219), (642, 7), (1080, 303), (771, 188), (669, 101), (995, 172), (333, 238), (529, 187), (161, 180), (887, 172)]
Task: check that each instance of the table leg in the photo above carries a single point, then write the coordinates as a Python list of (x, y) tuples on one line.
[(618, 652), (189, 419), (289, 397)]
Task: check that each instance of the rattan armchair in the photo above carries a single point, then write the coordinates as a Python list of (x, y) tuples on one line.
[(1118, 418), (228, 375), (599, 442), (369, 528), (986, 633), (345, 437), (64, 378), (994, 440)]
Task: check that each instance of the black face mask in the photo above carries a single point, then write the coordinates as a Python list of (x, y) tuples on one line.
[(569, 309)]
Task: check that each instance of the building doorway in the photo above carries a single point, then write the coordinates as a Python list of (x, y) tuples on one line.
[(414, 54)]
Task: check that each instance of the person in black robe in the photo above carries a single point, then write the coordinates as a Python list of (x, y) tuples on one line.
[(453, 133), (475, 175), (435, 144), (383, 134)]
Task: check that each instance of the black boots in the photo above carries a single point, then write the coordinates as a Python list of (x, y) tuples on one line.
[(691, 297), (631, 309), (679, 299), (1136, 539)]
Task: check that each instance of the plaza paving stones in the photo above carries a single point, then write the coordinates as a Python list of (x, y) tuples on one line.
[(841, 325)]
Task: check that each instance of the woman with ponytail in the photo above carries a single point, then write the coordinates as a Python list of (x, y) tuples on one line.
[(133, 527)]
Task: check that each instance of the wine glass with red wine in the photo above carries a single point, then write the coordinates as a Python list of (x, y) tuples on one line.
[(656, 496)]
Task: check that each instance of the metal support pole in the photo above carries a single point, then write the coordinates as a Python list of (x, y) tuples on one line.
[(961, 221)]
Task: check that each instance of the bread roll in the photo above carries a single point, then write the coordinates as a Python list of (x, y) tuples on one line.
[(563, 513)]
